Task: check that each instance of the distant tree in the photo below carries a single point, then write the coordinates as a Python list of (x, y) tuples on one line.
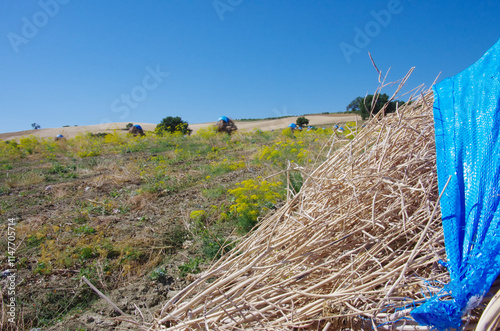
[(302, 121), (363, 106), (354, 106), (35, 126), (172, 124)]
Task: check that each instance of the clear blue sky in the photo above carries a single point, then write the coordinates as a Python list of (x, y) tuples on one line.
[(73, 62)]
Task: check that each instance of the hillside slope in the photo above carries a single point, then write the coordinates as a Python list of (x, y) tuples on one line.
[(265, 125)]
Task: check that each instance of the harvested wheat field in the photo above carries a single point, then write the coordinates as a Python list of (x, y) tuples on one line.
[(356, 248)]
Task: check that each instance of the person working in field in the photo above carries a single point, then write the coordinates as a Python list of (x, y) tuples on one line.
[(136, 130), (293, 127), (225, 124)]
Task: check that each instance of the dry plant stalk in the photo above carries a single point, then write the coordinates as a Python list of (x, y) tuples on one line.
[(357, 247)]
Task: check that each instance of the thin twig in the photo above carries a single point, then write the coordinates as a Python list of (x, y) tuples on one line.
[(118, 310)]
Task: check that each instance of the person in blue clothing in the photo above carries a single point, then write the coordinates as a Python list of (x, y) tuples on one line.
[(224, 119), (225, 124), (136, 129)]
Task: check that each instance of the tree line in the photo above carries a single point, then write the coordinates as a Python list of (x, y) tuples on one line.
[(367, 107)]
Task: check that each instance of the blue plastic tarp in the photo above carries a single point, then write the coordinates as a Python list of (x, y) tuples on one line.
[(467, 128)]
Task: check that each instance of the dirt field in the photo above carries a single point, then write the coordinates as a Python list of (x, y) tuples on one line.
[(265, 125), (138, 217)]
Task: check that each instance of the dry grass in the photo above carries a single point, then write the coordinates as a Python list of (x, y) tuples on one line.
[(116, 174), (11, 318), (61, 191), (358, 244), (24, 179), (143, 201)]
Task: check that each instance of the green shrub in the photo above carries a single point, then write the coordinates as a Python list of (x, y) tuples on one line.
[(302, 121), (171, 125)]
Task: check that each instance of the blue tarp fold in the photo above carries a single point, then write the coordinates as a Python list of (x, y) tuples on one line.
[(467, 125)]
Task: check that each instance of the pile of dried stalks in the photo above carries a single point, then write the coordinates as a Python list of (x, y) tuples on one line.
[(357, 247)]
